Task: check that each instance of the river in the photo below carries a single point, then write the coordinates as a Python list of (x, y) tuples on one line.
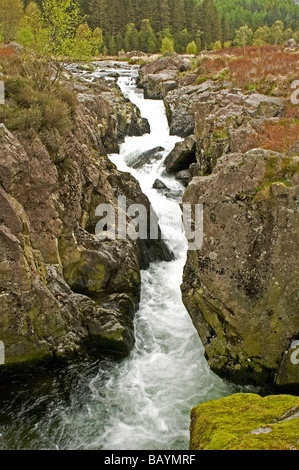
[(144, 401)]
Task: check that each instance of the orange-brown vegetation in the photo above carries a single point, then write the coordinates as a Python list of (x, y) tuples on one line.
[(6, 52), (278, 136), (267, 69)]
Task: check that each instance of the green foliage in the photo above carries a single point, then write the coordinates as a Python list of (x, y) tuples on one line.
[(191, 48), (167, 45), (216, 46), (244, 36), (11, 12), (113, 25), (28, 107)]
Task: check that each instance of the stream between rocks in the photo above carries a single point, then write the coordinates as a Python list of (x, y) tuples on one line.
[(142, 402)]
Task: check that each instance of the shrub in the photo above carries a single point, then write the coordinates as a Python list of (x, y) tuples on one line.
[(29, 106), (277, 136), (268, 69), (191, 48)]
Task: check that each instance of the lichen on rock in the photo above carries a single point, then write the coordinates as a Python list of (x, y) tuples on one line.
[(241, 288), (246, 422)]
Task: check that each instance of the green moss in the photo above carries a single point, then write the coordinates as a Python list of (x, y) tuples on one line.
[(279, 169), (247, 422), (269, 183), (201, 79), (219, 134), (83, 277)]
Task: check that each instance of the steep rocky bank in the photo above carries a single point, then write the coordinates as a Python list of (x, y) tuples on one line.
[(63, 291), (241, 288)]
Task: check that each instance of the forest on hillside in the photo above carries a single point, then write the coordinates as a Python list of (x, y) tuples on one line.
[(142, 24), (159, 25)]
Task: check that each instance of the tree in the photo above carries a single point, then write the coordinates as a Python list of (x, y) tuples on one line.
[(86, 42), (191, 48), (131, 41), (198, 41), (182, 39), (261, 36), (167, 45), (147, 38), (244, 36), (210, 23), (55, 37), (216, 46), (165, 14), (10, 17), (277, 33), (178, 16)]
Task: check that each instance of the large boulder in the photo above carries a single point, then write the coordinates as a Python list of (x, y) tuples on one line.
[(181, 157), (117, 117), (223, 118), (241, 287), (161, 76), (246, 422)]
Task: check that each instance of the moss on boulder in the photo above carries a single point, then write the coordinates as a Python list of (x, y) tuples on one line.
[(246, 422)]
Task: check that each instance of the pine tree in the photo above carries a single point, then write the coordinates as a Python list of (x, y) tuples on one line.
[(178, 16), (165, 14), (210, 23)]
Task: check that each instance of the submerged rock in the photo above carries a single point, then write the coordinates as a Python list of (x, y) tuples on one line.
[(148, 157), (158, 184), (246, 422), (241, 287)]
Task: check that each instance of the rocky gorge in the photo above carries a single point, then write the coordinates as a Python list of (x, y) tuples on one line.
[(65, 293)]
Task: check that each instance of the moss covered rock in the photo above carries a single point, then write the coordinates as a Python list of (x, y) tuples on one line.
[(241, 287), (246, 422)]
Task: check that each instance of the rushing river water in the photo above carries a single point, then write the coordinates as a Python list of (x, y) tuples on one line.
[(143, 401)]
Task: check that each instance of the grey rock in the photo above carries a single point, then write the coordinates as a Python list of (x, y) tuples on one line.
[(148, 157), (158, 184), (182, 155)]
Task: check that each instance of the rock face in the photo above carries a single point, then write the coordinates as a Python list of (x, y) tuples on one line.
[(181, 157), (161, 76), (241, 288), (117, 116), (246, 422), (223, 119), (63, 291)]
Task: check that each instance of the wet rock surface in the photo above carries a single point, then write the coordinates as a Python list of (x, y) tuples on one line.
[(181, 157)]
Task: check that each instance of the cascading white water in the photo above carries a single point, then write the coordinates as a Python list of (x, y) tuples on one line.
[(151, 393), (144, 401)]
